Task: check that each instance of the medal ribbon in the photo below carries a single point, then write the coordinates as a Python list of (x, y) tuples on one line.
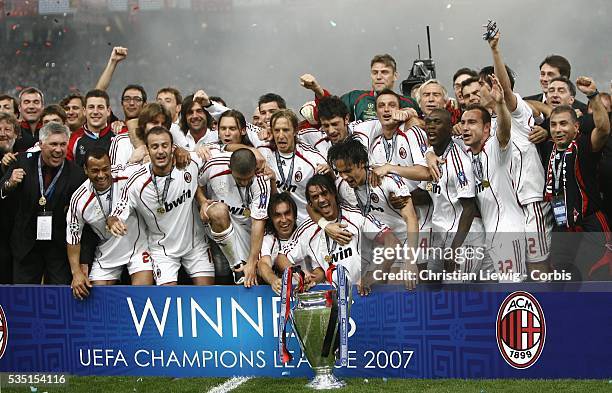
[(41, 184), (364, 209), (343, 322), (285, 309), (389, 148), (285, 182), (161, 201), (247, 194), (110, 207)]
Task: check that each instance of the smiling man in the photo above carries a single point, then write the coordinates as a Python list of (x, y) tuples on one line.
[(165, 197), (42, 185), (96, 131), (31, 104), (91, 204), (74, 105)]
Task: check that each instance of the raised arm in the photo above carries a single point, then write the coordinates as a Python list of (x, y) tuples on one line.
[(502, 74), (117, 55), (504, 121), (599, 135)]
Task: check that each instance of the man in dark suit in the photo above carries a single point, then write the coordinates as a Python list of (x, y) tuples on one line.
[(552, 67), (41, 184)]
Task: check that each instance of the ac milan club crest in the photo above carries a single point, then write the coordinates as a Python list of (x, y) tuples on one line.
[(402, 153), (187, 177), (374, 198), (521, 330), (3, 332), (298, 176)]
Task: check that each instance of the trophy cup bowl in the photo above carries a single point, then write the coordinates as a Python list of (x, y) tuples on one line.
[(315, 321)]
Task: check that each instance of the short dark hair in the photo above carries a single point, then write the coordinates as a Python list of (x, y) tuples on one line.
[(349, 151), (564, 109), (186, 106), (96, 152), (388, 91), (243, 161), (98, 94), (570, 86), (332, 106), (218, 99), (5, 97), (469, 81), (484, 113), (323, 181), (272, 97), (158, 130), (135, 87), (446, 116), (55, 109), (71, 97), (560, 63), (485, 72), (32, 90), (275, 200), (465, 71), (177, 94)]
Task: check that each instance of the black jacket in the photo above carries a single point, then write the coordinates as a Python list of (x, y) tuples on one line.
[(25, 203)]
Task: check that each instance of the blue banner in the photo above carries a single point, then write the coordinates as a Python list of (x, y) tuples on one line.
[(477, 331)]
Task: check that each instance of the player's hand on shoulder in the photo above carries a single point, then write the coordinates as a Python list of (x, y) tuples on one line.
[(338, 233)]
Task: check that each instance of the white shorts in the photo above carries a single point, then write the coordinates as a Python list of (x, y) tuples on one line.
[(99, 273), (508, 257), (197, 263), (538, 231)]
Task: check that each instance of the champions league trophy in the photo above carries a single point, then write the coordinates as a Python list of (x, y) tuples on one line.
[(320, 321)]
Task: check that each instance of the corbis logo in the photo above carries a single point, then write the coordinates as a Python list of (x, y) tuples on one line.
[(298, 176), (3, 332), (521, 330), (187, 177)]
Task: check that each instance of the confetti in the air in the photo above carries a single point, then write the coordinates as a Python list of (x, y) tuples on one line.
[(448, 6), (332, 23)]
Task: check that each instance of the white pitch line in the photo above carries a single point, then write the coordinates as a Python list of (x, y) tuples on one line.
[(229, 385)]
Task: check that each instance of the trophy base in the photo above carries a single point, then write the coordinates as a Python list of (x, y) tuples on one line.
[(324, 379)]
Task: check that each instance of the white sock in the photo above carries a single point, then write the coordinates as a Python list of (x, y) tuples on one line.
[(226, 243)]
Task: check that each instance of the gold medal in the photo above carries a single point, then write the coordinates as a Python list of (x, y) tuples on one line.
[(161, 210), (42, 201), (429, 186), (485, 183), (328, 258), (246, 212)]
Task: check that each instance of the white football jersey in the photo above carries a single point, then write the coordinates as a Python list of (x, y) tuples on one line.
[(376, 201), (121, 149), (87, 208), (527, 170), (315, 138), (310, 240), (271, 246), (296, 169), (496, 196), (167, 205), (244, 203), (457, 181), (406, 148)]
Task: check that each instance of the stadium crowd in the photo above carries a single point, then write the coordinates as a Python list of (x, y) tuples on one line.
[(188, 190)]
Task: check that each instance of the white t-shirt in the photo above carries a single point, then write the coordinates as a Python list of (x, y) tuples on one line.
[(310, 240), (178, 137), (121, 149), (86, 208), (179, 228)]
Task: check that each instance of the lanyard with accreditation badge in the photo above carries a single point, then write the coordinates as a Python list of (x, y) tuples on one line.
[(44, 222), (161, 199)]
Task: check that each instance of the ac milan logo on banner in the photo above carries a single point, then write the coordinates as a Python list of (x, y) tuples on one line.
[(3, 332), (521, 330)]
